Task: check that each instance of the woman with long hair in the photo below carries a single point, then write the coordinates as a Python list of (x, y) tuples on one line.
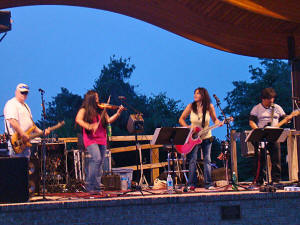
[(93, 121), (200, 112)]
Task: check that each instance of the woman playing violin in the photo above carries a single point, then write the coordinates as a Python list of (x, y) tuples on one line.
[(200, 112), (93, 119)]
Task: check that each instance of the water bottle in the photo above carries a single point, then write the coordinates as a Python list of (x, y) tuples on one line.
[(169, 184), (234, 182), (124, 184), (109, 133)]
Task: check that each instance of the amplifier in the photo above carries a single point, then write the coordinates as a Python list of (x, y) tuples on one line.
[(14, 180)]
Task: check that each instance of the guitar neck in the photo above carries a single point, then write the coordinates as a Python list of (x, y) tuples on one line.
[(32, 136), (208, 129), (35, 135), (282, 122), (287, 118)]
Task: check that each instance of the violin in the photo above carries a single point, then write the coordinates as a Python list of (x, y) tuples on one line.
[(108, 106)]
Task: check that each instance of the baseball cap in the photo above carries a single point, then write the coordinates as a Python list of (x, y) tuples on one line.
[(22, 87)]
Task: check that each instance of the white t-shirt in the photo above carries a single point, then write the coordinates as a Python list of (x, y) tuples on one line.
[(13, 109), (264, 114)]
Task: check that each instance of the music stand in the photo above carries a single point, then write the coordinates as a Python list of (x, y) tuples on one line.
[(171, 136), (264, 135)]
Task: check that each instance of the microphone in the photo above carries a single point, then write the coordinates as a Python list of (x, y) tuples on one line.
[(122, 97), (216, 98), (41, 90)]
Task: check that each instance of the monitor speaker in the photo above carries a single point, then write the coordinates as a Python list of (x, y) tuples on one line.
[(14, 180), (5, 22), (135, 123)]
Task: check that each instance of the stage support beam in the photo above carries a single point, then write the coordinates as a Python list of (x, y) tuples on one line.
[(295, 78)]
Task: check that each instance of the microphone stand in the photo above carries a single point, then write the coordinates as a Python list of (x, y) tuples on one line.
[(226, 146), (139, 185), (43, 144)]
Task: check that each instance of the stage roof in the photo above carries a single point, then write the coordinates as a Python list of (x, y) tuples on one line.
[(258, 28)]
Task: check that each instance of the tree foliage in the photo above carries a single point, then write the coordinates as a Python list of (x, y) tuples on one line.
[(113, 80), (64, 106)]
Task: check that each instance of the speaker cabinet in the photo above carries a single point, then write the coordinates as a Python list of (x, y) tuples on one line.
[(220, 174), (135, 123), (14, 180), (34, 176)]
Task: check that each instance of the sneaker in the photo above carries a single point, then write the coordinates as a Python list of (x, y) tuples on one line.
[(191, 188), (211, 188)]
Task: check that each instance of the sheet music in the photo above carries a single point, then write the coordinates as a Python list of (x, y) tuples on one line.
[(281, 138), (157, 132)]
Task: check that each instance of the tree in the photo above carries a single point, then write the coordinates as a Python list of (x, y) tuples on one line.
[(158, 110), (272, 73), (64, 106)]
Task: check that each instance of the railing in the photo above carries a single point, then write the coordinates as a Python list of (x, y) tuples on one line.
[(154, 164)]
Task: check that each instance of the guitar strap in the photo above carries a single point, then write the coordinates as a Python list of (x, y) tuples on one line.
[(272, 114), (7, 130), (26, 106)]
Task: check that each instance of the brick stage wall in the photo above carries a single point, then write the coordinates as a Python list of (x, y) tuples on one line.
[(260, 208)]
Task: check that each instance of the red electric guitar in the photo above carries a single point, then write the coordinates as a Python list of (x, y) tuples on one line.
[(195, 138)]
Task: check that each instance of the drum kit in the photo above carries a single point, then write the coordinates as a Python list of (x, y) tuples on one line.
[(62, 166)]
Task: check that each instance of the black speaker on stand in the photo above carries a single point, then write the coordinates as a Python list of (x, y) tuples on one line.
[(14, 180)]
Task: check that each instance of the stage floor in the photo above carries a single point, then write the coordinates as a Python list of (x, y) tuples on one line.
[(220, 206), (50, 198)]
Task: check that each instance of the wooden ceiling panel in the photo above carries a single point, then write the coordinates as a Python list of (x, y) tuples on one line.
[(257, 28)]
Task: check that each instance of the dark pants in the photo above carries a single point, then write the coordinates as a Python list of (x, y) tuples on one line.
[(274, 152)]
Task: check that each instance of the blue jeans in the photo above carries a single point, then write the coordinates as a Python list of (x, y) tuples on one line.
[(94, 166), (192, 156)]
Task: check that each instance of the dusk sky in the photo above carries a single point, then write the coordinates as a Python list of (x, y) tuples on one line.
[(50, 47)]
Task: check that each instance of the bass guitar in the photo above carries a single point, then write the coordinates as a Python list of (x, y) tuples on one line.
[(195, 137), (19, 145), (288, 118)]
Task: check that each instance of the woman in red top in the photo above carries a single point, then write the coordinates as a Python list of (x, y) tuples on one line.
[(93, 121)]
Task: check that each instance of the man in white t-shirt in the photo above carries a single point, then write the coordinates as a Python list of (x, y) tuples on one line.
[(264, 114), (18, 118)]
